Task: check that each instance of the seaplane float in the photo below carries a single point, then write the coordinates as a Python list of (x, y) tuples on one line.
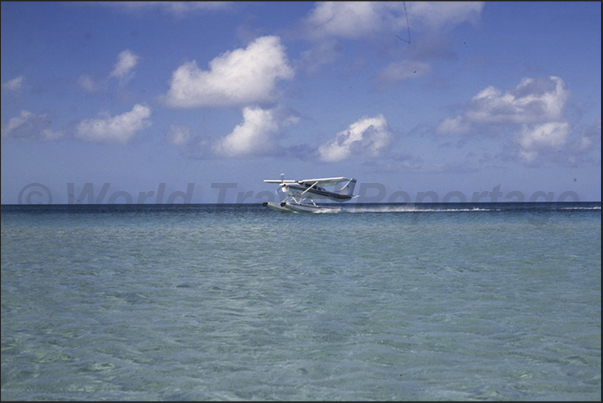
[(300, 194)]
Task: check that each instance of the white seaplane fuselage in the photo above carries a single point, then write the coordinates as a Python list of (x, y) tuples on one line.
[(301, 194), (312, 192)]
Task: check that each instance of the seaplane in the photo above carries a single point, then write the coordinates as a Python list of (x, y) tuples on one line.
[(300, 194)]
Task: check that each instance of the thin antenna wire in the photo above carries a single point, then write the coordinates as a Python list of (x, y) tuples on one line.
[(407, 25)]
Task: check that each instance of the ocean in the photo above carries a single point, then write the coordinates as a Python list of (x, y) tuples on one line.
[(365, 302)]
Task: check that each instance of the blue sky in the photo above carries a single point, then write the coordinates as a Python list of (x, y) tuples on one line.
[(450, 98)]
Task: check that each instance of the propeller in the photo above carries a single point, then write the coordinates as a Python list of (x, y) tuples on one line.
[(282, 184)]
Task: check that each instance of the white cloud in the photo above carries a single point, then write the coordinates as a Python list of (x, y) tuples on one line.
[(442, 14), (30, 126), (455, 125), (179, 135), (237, 78), (532, 111), (89, 84), (551, 134), (366, 137), (532, 101), (403, 70), (422, 24), (356, 20), (586, 145), (350, 19), (117, 129), (13, 85), (123, 70), (251, 137), (533, 138), (126, 61)]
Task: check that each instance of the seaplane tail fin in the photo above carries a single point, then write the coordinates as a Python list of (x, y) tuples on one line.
[(348, 188)]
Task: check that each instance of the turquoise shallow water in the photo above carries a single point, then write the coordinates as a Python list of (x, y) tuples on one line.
[(438, 302)]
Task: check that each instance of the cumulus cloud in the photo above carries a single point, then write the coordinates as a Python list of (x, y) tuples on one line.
[(532, 101), (29, 126), (430, 15), (356, 20), (352, 19), (531, 138), (123, 70), (586, 145), (89, 84), (366, 138), (237, 78), (428, 22), (252, 136), (551, 134), (126, 61), (533, 111), (456, 125), (13, 85), (179, 135), (116, 129)]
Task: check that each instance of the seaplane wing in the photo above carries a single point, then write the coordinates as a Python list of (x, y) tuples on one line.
[(278, 181), (325, 181), (301, 193), (318, 182)]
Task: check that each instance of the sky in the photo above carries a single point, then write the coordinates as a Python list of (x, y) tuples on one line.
[(155, 102)]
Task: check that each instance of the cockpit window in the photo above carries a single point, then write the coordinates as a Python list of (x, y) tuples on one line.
[(313, 186)]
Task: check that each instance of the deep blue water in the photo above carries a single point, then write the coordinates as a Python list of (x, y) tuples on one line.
[(228, 302)]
